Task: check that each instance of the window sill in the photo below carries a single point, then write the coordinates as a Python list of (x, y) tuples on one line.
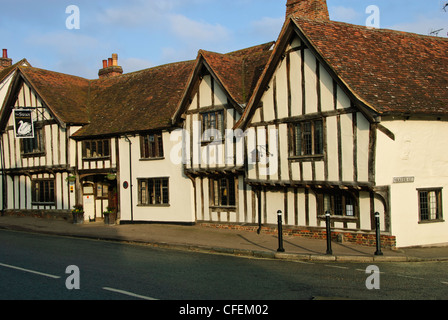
[(96, 159), (217, 142), (338, 218), (43, 203), (431, 221), (223, 208), (152, 159), (318, 157), (153, 205), (33, 155)]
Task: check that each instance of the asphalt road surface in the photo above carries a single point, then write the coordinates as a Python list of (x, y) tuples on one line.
[(40, 267)]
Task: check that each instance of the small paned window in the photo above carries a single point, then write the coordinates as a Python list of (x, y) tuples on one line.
[(223, 192), (153, 191), (43, 191), (94, 149), (33, 146), (307, 138), (430, 204), (151, 146), (212, 126), (338, 204)]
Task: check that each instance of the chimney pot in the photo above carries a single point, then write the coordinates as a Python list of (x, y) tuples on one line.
[(5, 53), (110, 68)]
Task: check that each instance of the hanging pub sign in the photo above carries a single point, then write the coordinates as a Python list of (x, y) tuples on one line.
[(23, 124)]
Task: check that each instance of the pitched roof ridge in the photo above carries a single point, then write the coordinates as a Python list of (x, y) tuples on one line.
[(370, 29)]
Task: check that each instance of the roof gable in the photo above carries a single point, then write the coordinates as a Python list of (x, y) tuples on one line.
[(236, 72), (382, 71), (390, 71)]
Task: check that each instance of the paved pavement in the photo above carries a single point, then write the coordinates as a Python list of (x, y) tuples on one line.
[(211, 240)]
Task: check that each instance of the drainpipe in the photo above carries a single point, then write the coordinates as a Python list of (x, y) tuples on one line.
[(259, 211), (3, 178), (130, 175)]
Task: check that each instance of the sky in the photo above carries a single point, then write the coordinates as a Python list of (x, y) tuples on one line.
[(148, 33)]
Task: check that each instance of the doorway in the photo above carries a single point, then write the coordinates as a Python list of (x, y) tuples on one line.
[(99, 194)]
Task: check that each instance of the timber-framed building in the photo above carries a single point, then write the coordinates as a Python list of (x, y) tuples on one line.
[(331, 117)]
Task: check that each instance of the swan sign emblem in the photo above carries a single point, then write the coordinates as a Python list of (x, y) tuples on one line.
[(23, 124)]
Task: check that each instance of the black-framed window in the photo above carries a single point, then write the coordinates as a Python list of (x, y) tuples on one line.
[(307, 138), (212, 126), (222, 192), (338, 203), (96, 149), (151, 146), (154, 191), (33, 146), (43, 191), (430, 204)]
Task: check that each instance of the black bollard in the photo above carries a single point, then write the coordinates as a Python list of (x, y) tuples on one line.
[(280, 232), (378, 235), (327, 217)]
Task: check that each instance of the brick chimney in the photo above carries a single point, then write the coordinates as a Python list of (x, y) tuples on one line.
[(5, 62), (311, 9), (110, 68)]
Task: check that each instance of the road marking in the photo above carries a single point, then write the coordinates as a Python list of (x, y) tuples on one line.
[(410, 277), (30, 271), (129, 294), (364, 270), (337, 267)]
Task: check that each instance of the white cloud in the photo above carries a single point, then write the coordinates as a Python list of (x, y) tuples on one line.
[(65, 42), (189, 30)]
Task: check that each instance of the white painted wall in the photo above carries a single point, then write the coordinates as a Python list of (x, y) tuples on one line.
[(418, 151), (181, 198)]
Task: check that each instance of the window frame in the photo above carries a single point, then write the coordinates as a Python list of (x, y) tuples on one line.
[(160, 188), (338, 209), (310, 147), (216, 186), (36, 196), (157, 148), (105, 151), (439, 205), (39, 139), (206, 124)]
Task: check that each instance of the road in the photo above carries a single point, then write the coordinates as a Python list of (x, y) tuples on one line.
[(34, 267)]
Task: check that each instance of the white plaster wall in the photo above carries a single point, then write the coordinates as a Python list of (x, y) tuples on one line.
[(418, 151), (181, 198)]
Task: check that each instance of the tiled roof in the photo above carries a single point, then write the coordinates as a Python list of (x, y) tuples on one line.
[(239, 71), (7, 71), (392, 72), (135, 102), (65, 95)]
